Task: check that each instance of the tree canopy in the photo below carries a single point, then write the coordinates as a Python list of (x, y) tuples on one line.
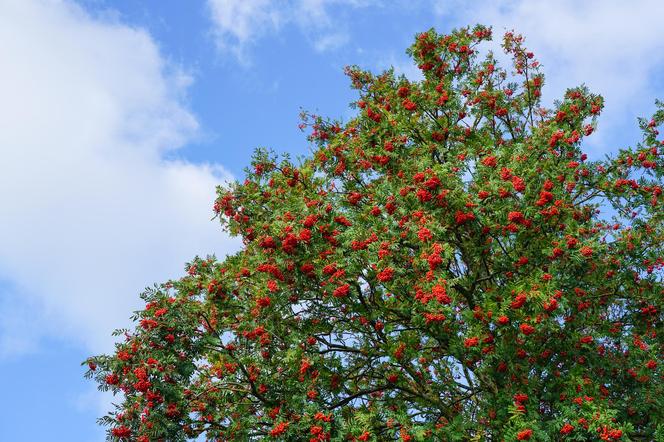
[(448, 265)]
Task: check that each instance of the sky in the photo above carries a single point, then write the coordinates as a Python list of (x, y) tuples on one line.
[(119, 117)]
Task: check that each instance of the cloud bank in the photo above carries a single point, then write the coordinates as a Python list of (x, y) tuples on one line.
[(93, 209)]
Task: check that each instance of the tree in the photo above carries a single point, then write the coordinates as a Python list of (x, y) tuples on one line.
[(446, 266)]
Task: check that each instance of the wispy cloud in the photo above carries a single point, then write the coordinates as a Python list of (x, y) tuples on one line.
[(331, 41), (615, 47), (239, 24), (93, 211)]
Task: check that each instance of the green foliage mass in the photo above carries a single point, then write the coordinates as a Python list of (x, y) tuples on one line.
[(446, 266)]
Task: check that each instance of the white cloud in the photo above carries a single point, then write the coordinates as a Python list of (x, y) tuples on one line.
[(238, 24), (615, 47), (331, 41), (92, 211)]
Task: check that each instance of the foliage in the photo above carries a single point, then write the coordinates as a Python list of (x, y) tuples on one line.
[(446, 266)]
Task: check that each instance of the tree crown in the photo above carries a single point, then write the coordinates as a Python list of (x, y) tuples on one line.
[(447, 265)]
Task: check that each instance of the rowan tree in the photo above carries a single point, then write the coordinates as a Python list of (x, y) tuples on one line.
[(448, 265)]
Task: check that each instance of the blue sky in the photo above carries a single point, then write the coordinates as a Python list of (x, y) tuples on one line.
[(119, 117)]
